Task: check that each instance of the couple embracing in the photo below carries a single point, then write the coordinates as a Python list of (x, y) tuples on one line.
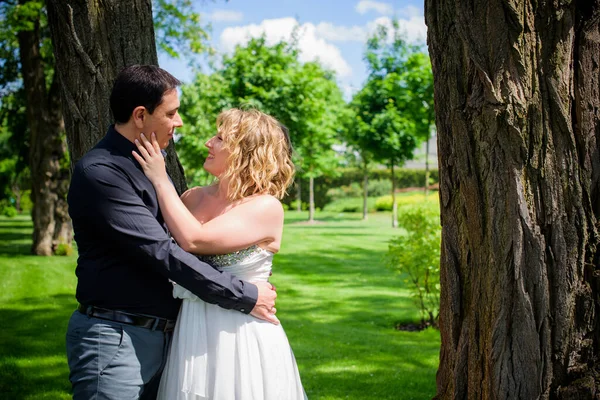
[(173, 292)]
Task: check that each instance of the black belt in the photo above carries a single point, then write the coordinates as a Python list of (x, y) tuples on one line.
[(144, 321)]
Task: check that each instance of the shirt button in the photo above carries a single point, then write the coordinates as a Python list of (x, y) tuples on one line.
[(243, 310)]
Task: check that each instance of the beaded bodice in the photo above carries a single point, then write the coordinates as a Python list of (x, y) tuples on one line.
[(224, 260), (251, 264)]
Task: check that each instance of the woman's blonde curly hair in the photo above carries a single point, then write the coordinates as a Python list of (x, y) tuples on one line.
[(260, 160)]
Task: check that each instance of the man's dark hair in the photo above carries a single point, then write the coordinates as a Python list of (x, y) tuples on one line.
[(139, 85)]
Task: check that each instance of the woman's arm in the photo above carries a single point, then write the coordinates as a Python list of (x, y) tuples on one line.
[(257, 220)]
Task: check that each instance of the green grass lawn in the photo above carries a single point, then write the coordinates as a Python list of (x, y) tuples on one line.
[(337, 303)]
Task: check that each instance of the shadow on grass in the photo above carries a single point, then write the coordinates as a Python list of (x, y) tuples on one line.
[(342, 319), (15, 236), (32, 354)]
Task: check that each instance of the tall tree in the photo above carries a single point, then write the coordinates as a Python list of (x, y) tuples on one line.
[(14, 171), (419, 87), (393, 104), (28, 66), (355, 133), (319, 106), (29, 59), (304, 97), (517, 107), (94, 41)]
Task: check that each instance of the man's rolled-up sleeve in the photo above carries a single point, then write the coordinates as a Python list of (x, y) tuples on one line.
[(120, 213)]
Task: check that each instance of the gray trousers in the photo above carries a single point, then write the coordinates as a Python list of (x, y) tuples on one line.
[(109, 360)]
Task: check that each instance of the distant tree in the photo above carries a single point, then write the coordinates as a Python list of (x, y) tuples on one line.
[(304, 97), (28, 66), (354, 132), (28, 59), (14, 170), (393, 102), (418, 83)]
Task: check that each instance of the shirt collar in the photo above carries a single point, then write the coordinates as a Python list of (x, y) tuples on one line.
[(119, 142), (122, 144)]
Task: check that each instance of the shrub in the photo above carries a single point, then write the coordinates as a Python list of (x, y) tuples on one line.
[(352, 204), (384, 203), (344, 192), (8, 211), (26, 203), (379, 187), (63, 249), (375, 188), (347, 176), (294, 206), (416, 255)]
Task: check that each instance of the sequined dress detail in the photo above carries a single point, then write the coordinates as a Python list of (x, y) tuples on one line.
[(220, 354)]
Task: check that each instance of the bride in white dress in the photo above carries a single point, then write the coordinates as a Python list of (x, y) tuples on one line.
[(236, 225)]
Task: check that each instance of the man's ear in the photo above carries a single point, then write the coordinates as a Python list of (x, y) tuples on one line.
[(139, 116)]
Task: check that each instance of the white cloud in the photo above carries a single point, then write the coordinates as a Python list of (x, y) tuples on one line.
[(409, 12), (337, 33), (310, 43), (315, 41), (414, 28), (225, 16), (365, 6)]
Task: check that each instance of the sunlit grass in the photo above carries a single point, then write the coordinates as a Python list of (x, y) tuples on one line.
[(337, 302)]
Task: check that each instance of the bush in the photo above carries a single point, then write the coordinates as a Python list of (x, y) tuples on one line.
[(293, 206), (7, 208), (26, 204), (347, 176), (384, 203), (344, 192), (63, 249), (8, 211), (416, 255), (352, 204), (379, 187), (375, 188)]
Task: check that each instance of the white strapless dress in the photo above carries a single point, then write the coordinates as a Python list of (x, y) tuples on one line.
[(220, 354)]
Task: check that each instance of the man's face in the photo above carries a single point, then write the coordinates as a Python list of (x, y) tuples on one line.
[(164, 119)]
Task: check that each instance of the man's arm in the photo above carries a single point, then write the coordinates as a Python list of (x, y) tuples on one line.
[(119, 213)]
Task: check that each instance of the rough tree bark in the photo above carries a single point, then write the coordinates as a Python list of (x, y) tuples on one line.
[(47, 148), (517, 96), (93, 41)]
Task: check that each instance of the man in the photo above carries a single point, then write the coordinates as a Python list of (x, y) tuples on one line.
[(118, 338)]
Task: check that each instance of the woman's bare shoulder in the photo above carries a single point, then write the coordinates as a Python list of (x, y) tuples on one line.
[(265, 203), (194, 195)]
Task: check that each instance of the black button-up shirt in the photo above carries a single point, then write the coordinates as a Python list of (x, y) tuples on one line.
[(126, 256)]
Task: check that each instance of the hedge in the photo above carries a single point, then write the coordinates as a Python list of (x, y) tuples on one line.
[(404, 178)]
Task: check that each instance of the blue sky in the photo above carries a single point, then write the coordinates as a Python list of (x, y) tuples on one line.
[(333, 31)]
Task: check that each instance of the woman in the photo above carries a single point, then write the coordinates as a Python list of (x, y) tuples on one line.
[(216, 353)]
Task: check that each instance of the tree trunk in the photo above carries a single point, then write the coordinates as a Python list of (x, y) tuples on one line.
[(47, 151), (365, 191), (298, 195), (311, 199), (394, 202), (517, 108), (93, 41), (427, 168)]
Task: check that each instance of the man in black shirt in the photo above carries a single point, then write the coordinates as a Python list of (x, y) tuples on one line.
[(117, 340)]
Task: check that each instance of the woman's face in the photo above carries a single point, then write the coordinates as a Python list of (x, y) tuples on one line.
[(216, 162)]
